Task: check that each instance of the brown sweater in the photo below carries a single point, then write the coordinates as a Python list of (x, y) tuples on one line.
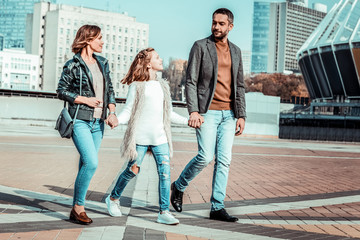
[(222, 96)]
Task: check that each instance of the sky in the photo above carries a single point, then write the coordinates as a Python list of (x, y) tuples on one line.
[(176, 25)]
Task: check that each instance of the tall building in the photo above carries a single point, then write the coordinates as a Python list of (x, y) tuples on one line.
[(279, 33), (246, 60), (2, 42), (303, 3), (290, 26), (52, 29), (261, 22), (13, 21), (18, 70)]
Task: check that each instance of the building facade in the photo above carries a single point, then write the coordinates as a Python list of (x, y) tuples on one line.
[(2, 42), (303, 3), (18, 70), (13, 21), (52, 29), (260, 37), (290, 26), (279, 30), (246, 59)]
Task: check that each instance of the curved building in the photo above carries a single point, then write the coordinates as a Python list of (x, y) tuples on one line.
[(330, 59), (330, 63)]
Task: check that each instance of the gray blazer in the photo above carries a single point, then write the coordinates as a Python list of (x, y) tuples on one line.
[(201, 77)]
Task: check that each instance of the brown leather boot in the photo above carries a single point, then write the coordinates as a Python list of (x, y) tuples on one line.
[(81, 218)]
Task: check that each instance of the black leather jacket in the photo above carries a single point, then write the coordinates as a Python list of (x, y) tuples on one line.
[(69, 86)]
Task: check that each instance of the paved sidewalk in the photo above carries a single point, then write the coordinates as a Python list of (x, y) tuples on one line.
[(278, 189)]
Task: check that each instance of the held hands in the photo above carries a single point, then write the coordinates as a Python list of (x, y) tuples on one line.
[(112, 121), (240, 125), (195, 120)]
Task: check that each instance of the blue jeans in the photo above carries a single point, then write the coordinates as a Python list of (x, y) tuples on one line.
[(87, 136), (162, 158), (215, 137)]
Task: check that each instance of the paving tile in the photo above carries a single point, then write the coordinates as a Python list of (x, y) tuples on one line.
[(134, 233), (151, 234), (349, 230), (332, 230), (24, 235), (175, 236), (69, 234), (261, 173), (46, 235), (6, 236)]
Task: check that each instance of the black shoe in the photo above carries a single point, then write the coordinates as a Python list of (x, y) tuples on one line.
[(222, 215), (176, 198)]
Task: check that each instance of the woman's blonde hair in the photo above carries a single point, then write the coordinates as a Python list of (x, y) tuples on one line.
[(84, 34), (138, 70)]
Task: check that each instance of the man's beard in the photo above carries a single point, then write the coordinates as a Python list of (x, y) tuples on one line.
[(221, 37)]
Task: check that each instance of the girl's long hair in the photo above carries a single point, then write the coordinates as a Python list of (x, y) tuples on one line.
[(83, 35), (138, 70)]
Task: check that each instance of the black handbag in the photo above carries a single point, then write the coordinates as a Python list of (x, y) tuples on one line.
[(64, 123)]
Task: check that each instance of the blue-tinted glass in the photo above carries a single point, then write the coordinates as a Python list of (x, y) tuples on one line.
[(261, 20), (348, 28), (13, 20)]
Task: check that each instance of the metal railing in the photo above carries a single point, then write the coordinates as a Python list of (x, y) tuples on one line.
[(53, 95)]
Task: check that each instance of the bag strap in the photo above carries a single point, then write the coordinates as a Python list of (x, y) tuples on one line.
[(77, 108)]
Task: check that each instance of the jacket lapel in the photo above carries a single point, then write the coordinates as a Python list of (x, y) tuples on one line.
[(87, 70), (234, 61), (213, 55)]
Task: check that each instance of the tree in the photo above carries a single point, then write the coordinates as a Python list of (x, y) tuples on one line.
[(175, 73), (277, 84)]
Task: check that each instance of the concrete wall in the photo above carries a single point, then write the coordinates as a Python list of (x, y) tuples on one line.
[(262, 113)]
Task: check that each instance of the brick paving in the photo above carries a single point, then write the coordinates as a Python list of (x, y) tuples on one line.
[(279, 190)]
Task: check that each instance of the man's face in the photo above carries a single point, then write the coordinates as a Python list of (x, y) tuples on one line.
[(221, 26)]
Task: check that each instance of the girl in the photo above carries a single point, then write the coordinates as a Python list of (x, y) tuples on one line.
[(95, 98), (148, 112)]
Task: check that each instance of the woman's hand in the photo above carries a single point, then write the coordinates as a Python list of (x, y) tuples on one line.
[(93, 102), (112, 120), (90, 101)]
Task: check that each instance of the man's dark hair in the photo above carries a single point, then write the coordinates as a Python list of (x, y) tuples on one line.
[(226, 12)]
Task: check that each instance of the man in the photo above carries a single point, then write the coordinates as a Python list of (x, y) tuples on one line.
[(215, 96)]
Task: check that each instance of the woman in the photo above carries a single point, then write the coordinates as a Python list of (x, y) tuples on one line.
[(148, 113), (95, 97)]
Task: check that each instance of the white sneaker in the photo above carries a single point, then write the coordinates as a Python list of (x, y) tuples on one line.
[(166, 217), (113, 207)]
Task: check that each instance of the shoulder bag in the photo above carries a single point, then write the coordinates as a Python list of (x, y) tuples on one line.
[(64, 123)]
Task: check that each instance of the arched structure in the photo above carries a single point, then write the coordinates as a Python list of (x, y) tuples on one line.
[(330, 59), (330, 63)]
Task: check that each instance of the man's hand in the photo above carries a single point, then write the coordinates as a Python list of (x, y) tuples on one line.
[(240, 125), (195, 120)]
